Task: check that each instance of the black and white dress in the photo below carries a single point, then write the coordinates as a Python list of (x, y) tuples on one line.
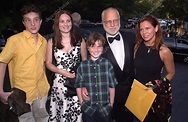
[(62, 108)]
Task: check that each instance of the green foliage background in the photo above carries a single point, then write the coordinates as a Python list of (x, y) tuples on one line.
[(91, 9)]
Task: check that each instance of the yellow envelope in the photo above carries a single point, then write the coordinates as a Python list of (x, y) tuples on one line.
[(140, 100)]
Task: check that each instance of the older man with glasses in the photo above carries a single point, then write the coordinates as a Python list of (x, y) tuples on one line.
[(119, 50)]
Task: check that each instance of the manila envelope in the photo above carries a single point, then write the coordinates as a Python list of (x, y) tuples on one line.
[(140, 100)]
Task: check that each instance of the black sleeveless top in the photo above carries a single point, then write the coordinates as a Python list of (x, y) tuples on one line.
[(148, 64)]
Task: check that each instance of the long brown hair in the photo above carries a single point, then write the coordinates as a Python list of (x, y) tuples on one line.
[(154, 22), (75, 37)]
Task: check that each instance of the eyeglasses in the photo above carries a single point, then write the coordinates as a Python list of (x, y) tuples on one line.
[(109, 22)]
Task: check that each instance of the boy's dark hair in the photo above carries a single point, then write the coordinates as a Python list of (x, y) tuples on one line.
[(27, 8), (93, 37)]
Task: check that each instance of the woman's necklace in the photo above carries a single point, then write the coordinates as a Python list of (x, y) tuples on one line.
[(149, 46), (149, 49)]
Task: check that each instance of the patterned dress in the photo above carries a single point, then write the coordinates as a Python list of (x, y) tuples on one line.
[(62, 108)]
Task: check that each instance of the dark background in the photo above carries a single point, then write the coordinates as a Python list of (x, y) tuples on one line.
[(91, 10)]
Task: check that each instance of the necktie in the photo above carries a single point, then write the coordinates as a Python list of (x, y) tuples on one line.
[(111, 39)]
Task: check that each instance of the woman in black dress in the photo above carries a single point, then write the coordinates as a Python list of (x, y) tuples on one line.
[(150, 57)]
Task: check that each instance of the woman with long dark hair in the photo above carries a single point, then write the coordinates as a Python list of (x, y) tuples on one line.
[(69, 49), (150, 57)]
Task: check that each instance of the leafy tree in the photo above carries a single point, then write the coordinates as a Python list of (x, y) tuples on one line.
[(143, 7), (175, 9), (91, 9)]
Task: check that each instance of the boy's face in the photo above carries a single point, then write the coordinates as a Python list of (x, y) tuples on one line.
[(95, 50), (32, 22)]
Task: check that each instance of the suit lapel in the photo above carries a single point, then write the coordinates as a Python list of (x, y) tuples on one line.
[(128, 39), (125, 49)]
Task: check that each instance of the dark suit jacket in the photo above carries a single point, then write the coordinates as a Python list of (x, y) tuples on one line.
[(125, 77)]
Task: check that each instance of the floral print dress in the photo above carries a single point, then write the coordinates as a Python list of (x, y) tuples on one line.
[(62, 108)]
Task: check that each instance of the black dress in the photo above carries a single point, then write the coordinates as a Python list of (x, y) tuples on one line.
[(148, 66)]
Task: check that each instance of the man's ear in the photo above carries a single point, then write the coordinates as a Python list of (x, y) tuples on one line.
[(23, 22), (41, 21)]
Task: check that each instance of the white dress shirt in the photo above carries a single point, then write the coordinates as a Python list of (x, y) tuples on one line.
[(117, 47)]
